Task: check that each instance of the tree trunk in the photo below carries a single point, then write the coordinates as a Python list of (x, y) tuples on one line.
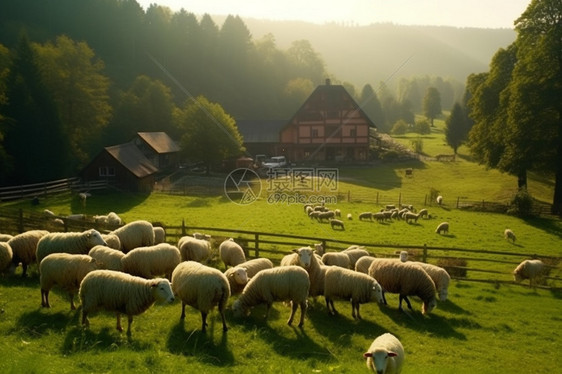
[(522, 180), (557, 200)]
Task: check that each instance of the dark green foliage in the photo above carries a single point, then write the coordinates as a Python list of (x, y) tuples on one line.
[(456, 267), (422, 127), (399, 128), (456, 130), (432, 104), (522, 204)]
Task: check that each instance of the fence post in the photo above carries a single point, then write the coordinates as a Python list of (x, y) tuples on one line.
[(425, 200), (458, 198), (400, 199), (424, 259), (183, 230), (377, 197), (348, 196), (20, 223), (257, 242)]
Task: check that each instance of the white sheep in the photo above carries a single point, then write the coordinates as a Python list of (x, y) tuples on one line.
[(349, 216), (148, 262), (159, 235), (306, 258), (509, 235), (135, 234), (348, 284), (192, 249), (423, 213), (337, 223), (240, 274), (119, 292), (403, 256), (68, 242), (439, 276), (439, 199), (198, 235), (405, 279), (385, 355), (107, 257), (366, 215), (336, 259), (24, 247), (6, 255), (113, 219), (355, 252), (362, 264), (409, 216), (201, 287), (66, 271), (285, 283), (5, 237), (231, 253), (533, 270), (112, 241), (442, 227)]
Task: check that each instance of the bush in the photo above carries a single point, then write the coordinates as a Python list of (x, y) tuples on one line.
[(522, 204), (456, 267), (433, 193), (399, 128), (422, 127), (417, 145)]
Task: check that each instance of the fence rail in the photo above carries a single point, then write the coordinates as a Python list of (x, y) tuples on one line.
[(30, 191)]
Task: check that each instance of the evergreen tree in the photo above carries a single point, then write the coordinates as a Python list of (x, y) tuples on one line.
[(371, 105), (455, 128), (432, 104)]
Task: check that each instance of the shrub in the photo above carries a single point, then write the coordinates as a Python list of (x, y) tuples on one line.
[(417, 145), (422, 127), (399, 128), (456, 267), (522, 204), (433, 193)]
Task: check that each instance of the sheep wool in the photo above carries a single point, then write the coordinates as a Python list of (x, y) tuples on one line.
[(121, 293), (442, 227), (148, 262), (439, 276), (348, 284), (107, 258), (135, 234), (5, 237), (112, 241), (240, 274), (336, 259), (305, 257), (192, 249), (509, 235), (405, 279), (355, 252), (68, 242), (24, 248), (6, 255), (159, 235), (285, 283), (385, 355), (66, 271), (231, 253), (201, 287), (362, 264), (533, 270)]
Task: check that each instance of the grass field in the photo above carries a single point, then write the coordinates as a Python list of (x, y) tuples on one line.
[(485, 328)]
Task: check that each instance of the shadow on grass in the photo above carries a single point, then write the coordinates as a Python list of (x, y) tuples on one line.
[(36, 323), (16, 280), (386, 176), (108, 201), (80, 339), (548, 225)]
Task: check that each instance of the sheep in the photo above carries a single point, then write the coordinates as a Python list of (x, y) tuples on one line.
[(379, 216), (151, 261), (337, 212), (423, 213), (404, 278), (5, 237), (135, 234), (439, 200), (121, 293), (508, 234), (408, 216), (363, 263), (533, 270), (336, 259), (366, 215), (239, 275), (439, 276), (348, 284), (112, 241), (192, 249), (107, 257), (48, 213), (6, 255), (201, 287), (231, 253), (24, 247), (442, 227), (355, 252), (403, 256), (285, 283), (305, 257), (326, 215), (198, 235), (336, 223), (68, 242), (159, 235), (76, 217), (113, 219), (314, 214), (349, 216), (64, 270), (385, 355)]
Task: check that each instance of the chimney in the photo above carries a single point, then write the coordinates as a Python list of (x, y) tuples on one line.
[(328, 81)]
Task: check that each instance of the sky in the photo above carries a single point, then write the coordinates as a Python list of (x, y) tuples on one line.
[(457, 13)]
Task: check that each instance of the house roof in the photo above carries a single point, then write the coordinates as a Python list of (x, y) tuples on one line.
[(159, 141), (130, 157), (260, 131)]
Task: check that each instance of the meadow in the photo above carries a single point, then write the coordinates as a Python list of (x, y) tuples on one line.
[(485, 328)]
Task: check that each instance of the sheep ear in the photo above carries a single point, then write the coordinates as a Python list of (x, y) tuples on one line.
[(392, 354), (295, 250), (367, 354)]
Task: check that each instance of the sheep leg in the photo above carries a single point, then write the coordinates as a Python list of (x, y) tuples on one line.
[(130, 320), (85, 320), (224, 326), (182, 310), (72, 306), (304, 306), (24, 273), (268, 306), (118, 326), (354, 307), (294, 307), (45, 298), (384, 298), (330, 305), (407, 302), (203, 321)]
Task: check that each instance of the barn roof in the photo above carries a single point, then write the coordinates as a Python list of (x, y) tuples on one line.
[(130, 157), (159, 141)]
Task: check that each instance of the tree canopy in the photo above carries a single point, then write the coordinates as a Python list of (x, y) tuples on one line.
[(432, 104)]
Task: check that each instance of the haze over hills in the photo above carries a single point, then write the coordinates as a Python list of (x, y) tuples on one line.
[(386, 52)]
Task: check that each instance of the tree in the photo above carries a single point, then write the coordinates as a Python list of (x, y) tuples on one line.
[(455, 128), (431, 104), (371, 105), (209, 135)]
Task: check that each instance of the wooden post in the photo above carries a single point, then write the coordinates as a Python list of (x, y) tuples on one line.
[(377, 197), (425, 200), (257, 244), (348, 196), (458, 198), (400, 199), (183, 228), (424, 259), (20, 223)]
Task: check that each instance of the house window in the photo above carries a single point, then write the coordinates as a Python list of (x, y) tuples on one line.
[(106, 171), (314, 133), (353, 133)]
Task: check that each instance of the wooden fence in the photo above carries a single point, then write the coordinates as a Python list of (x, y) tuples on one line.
[(30, 191), (475, 265)]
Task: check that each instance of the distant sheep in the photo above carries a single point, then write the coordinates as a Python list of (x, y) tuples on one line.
[(6, 255), (149, 262), (363, 263), (66, 271), (285, 283), (365, 215), (349, 216), (110, 219), (442, 227), (68, 242), (423, 213), (403, 256), (327, 215), (198, 235), (337, 223), (336, 259), (192, 249), (439, 276), (24, 247), (305, 257), (107, 258), (159, 235), (439, 200), (409, 216), (201, 287), (355, 252), (348, 284), (118, 292), (509, 235), (385, 355), (240, 274), (405, 279), (337, 212), (135, 234), (533, 270), (231, 253)]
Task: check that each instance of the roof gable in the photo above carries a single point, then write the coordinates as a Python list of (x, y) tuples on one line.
[(159, 141), (130, 157)]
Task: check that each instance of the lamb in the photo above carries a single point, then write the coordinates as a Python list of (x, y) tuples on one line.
[(385, 355), (231, 253), (405, 278), (362, 264), (24, 247), (159, 235), (337, 212), (6, 255), (151, 261), (439, 276), (509, 235), (439, 199), (442, 227), (68, 242), (336, 259), (366, 215), (533, 270), (135, 234), (240, 274), (121, 293), (337, 223), (201, 287), (305, 257), (192, 249), (349, 216), (348, 284), (355, 252), (112, 241), (64, 270), (107, 258), (285, 283)]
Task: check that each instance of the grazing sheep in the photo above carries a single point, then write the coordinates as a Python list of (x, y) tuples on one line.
[(305, 257), (355, 252), (348, 284), (285, 283), (107, 257), (336, 223), (198, 235), (336, 259), (533, 270), (66, 271), (439, 276), (78, 243), (240, 274), (349, 216), (439, 199), (201, 287), (159, 235), (405, 279), (6, 255), (385, 355), (24, 247), (423, 213), (192, 249), (5, 237), (121, 293), (442, 227), (509, 235), (337, 212), (408, 216), (327, 215), (362, 264), (379, 216), (135, 234), (314, 214), (152, 261), (231, 253), (112, 241), (366, 215)]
